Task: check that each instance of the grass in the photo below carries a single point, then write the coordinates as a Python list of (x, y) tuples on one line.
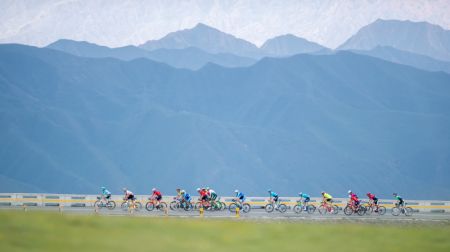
[(38, 231)]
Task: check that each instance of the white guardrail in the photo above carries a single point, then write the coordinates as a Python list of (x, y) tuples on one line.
[(78, 200)]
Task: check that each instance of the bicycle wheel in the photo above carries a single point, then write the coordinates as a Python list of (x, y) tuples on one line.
[(269, 208), (322, 209), (246, 207), (335, 209), (174, 205), (124, 205), (369, 209), (396, 211), (224, 206), (310, 209), (233, 207), (381, 210), (408, 211), (98, 204), (149, 206), (298, 209), (187, 206), (111, 204), (162, 206), (348, 210), (197, 205), (137, 205), (282, 208), (361, 211)]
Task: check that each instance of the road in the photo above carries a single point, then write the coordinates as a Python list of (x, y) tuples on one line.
[(254, 214)]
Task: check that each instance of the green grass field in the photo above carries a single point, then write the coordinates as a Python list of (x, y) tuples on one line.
[(36, 231)]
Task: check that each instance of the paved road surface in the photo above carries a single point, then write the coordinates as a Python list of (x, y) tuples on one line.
[(256, 214)]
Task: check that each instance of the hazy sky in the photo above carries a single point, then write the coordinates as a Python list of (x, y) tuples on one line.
[(120, 22)]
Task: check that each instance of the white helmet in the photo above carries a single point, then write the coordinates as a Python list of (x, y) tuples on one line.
[(182, 191), (349, 191), (124, 189), (236, 191), (154, 189), (198, 189)]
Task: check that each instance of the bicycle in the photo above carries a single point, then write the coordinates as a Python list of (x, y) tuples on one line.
[(127, 204), (245, 207), (398, 209), (103, 202), (352, 208), (272, 205), (180, 204), (328, 208), (300, 207), (371, 207), (151, 205)]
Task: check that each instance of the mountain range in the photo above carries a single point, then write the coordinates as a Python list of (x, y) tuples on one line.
[(308, 122), (415, 37)]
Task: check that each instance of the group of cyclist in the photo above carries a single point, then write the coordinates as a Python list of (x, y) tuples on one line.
[(208, 195)]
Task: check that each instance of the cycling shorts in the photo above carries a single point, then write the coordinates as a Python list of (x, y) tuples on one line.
[(130, 197), (158, 197), (275, 199), (213, 196), (204, 197), (306, 200)]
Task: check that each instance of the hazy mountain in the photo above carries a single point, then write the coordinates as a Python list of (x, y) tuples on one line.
[(206, 38), (407, 58), (288, 45), (416, 37), (308, 122), (190, 58)]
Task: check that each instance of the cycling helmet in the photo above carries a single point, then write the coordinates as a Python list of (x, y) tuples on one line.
[(269, 190), (124, 189), (322, 192), (368, 194), (198, 189), (154, 189), (236, 191), (182, 191), (395, 194), (349, 191), (300, 193), (207, 188), (103, 188)]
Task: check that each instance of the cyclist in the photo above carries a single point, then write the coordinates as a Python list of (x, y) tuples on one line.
[(354, 200), (156, 195), (106, 194), (178, 197), (273, 197), (400, 201), (327, 198), (185, 197), (373, 200), (240, 197), (211, 193), (129, 195), (203, 195), (304, 198)]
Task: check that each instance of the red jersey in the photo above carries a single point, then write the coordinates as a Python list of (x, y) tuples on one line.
[(203, 193), (156, 193), (371, 196), (354, 197)]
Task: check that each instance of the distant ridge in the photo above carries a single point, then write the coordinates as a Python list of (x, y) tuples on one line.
[(416, 37)]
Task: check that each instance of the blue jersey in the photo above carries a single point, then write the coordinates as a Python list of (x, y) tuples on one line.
[(106, 192), (304, 195), (273, 194), (240, 195), (187, 197)]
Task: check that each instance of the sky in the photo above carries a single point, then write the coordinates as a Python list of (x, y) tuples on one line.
[(117, 23)]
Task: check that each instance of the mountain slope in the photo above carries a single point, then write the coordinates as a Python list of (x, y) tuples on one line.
[(206, 38), (288, 45), (189, 58), (416, 37), (407, 58), (308, 122)]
